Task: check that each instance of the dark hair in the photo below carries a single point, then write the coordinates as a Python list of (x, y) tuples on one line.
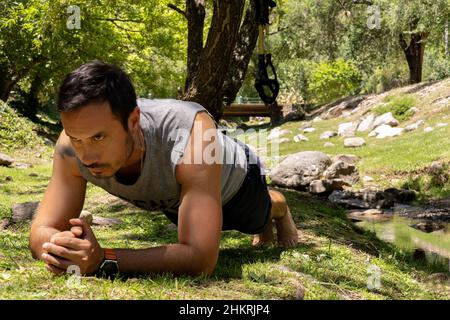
[(97, 81)]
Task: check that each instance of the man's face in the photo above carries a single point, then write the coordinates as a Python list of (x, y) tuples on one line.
[(98, 138)]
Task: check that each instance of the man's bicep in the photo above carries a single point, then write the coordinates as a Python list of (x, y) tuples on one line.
[(200, 212)]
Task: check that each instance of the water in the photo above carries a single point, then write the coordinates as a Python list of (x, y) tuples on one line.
[(398, 231)]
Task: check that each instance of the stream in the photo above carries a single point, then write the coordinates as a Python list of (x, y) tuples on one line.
[(398, 230)]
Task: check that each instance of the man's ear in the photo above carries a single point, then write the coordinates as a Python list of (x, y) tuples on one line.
[(133, 118)]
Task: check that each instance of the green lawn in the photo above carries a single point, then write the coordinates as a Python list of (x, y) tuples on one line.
[(332, 260)]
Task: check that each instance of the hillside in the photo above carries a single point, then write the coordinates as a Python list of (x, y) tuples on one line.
[(400, 161)]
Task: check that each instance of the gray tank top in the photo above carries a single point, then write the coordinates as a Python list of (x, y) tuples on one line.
[(166, 125)]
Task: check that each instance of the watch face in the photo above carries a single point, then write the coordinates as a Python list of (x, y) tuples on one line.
[(109, 268)]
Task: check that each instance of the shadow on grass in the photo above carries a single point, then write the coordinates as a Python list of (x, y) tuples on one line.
[(421, 86), (312, 214), (231, 260)]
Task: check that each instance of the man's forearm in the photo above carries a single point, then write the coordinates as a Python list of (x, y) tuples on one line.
[(173, 258), (38, 236)]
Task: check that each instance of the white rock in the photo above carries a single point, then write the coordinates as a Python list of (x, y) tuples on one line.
[(317, 119), (368, 179), (377, 130), (386, 131), (414, 126), (277, 133), (300, 137), (5, 160), (284, 140), (327, 135), (347, 129), (355, 110), (441, 124), (328, 145), (366, 124), (346, 114), (428, 129), (386, 118), (308, 130), (354, 142), (414, 110)]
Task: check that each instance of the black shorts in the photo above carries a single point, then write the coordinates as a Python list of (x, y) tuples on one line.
[(249, 210)]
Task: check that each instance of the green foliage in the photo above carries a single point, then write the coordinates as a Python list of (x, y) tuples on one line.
[(385, 78), (15, 131), (399, 106), (313, 31), (37, 47), (436, 66), (332, 80), (295, 75)]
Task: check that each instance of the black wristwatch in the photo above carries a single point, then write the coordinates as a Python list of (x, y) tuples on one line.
[(109, 267)]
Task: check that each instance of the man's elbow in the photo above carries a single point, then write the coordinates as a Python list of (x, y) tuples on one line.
[(32, 246), (205, 265), (204, 270)]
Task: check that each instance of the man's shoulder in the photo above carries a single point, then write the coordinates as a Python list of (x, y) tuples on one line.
[(65, 153), (167, 103)]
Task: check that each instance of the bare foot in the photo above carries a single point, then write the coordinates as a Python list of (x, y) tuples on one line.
[(265, 238), (287, 234)]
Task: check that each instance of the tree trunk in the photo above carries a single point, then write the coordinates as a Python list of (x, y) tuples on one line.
[(246, 43), (9, 78), (31, 99), (5, 83), (195, 14), (414, 51), (6, 88), (206, 81), (414, 55)]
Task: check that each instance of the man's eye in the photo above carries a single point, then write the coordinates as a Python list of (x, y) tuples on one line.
[(75, 140), (98, 138)]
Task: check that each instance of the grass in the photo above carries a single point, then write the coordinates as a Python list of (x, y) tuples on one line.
[(332, 261)]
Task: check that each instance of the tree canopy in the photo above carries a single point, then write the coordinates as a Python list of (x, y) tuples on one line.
[(202, 50)]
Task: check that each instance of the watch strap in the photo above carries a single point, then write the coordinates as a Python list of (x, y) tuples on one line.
[(110, 254)]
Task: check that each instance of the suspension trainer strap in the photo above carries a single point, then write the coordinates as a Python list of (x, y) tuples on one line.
[(268, 88)]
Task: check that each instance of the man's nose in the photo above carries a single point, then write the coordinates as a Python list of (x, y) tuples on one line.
[(88, 158)]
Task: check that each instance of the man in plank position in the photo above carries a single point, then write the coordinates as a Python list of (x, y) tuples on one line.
[(159, 155)]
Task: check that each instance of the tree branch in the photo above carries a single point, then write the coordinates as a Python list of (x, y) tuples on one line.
[(174, 7), (342, 5), (122, 28), (120, 20), (279, 30), (368, 2), (403, 42)]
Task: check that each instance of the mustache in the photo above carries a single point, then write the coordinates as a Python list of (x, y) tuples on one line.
[(95, 166)]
